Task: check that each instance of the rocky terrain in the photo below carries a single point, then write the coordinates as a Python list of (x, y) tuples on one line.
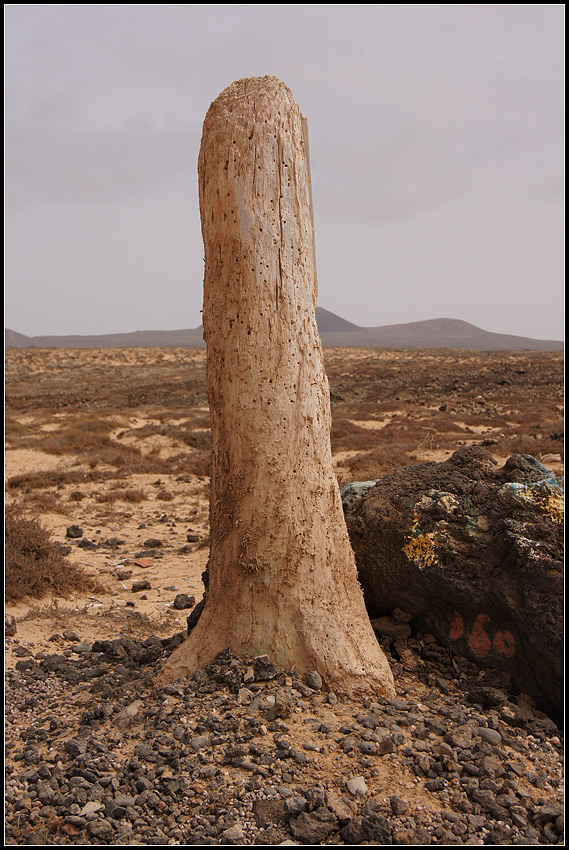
[(246, 753), (110, 451)]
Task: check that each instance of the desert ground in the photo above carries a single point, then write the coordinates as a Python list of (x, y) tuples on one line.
[(115, 442)]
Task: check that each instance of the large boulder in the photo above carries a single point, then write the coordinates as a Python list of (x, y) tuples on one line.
[(474, 552)]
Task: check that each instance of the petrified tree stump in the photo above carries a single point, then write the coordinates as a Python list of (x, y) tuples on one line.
[(282, 576)]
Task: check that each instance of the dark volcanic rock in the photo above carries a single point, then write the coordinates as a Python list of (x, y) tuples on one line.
[(182, 601), (315, 827), (475, 553), (372, 828)]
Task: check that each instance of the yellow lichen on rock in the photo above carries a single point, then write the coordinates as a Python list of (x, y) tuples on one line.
[(420, 547), (421, 550), (554, 507)]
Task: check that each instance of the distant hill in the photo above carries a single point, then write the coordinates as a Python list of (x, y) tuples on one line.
[(334, 331)]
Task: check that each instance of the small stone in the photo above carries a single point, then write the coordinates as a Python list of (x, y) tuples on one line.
[(10, 628), (372, 829), (269, 812), (192, 538), (491, 736), (87, 544), (233, 833), (549, 812), (144, 562), (314, 680), (295, 805), (143, 584), (68, 634), (74, 532), (385, 746), (315, 827), (183, 601), (91, 807), (100, 829), (398, 805), (357, 785), (264, 669), (245, 696)]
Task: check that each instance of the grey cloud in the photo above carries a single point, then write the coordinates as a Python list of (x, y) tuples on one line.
[(418, 113)]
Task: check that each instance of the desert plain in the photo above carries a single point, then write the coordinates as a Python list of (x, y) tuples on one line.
[(115, 443)]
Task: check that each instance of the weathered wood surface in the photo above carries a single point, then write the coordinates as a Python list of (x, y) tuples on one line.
[(282, 576)]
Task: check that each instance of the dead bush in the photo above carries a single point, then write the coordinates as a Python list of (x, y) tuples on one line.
[(165, 496), (77, 496), (196, 439), (47, 503), (133, 495), (14, 429), (79, 434), (54, 478), (33, 564), (106, 496), (118, 494)]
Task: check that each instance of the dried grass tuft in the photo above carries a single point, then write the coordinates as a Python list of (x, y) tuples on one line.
[(33, 564)]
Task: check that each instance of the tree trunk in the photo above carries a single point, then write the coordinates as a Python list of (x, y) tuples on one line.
[(282, 576)]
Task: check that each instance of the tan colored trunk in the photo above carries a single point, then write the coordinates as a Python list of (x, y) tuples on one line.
[(282, 576)]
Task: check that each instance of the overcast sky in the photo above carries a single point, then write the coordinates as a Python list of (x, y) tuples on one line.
[(437, 155)]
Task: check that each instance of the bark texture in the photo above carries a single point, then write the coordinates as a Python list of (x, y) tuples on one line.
[(282, 575)]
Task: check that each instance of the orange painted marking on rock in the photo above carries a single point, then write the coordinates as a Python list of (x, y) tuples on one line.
[(504, 643), (479, 642)]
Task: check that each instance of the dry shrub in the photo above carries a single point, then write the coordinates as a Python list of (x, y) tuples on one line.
[(165, 496), (195, 439), (195, 463), (106, 496), (530, 444), (47, 503), (133, 495), (33, 564), (128, 494), (54, 478), (79, 434), (14, 429), (77, 496), (346, 435)]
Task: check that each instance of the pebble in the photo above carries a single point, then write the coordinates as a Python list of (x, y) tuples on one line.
[(314, 680), (490, 735), (95, 753), (357, 785)]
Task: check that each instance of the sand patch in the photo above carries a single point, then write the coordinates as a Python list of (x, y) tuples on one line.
[(23, 461), (371, 424)]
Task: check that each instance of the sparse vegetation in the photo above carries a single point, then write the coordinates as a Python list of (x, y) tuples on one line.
[(119, 416), (33, 564)]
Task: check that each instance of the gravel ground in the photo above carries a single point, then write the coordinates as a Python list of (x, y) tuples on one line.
[(248, 753)]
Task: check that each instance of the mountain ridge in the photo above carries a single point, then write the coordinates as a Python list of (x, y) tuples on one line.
[(334, 332)]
